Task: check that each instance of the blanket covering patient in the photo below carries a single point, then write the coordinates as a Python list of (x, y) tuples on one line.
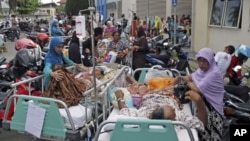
[(156, 104)]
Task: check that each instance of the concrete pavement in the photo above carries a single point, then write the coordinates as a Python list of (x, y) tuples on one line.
[(11, 49)]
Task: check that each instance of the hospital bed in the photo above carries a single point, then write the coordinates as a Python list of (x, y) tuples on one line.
[(104, 132), (65, 123)]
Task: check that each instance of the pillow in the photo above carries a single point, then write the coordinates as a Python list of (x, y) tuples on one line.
[(127, 97)]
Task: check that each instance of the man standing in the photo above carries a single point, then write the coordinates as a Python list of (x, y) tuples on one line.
[(124, 22), (87, 48), (14, 28), (111, 18)]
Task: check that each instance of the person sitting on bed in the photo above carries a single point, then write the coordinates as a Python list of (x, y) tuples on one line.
[(158, 106)]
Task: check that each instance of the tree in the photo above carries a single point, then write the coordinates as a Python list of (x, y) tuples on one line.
[(27, 6), (74, 6)]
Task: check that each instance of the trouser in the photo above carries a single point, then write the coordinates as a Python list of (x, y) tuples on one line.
[(14, 34)]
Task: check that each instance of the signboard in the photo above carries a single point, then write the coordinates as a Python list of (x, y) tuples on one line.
[(80, 26), (174, 3)]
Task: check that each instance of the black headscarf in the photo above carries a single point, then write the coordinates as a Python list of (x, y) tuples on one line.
[(75, 39), (141, 32)]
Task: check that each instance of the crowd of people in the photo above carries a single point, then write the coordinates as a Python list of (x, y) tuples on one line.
[(206, 86)]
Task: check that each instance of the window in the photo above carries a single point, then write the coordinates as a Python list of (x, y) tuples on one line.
[(226, 13)]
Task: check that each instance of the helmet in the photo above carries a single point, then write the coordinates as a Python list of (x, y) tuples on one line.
[(23, 43), (60, 23), (24, 58), (43, 37), (242, 58)]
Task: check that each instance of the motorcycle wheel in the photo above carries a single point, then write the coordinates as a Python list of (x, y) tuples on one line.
[(9, 36)]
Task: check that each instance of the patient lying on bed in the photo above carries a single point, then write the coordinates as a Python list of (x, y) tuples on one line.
[(160, 104)]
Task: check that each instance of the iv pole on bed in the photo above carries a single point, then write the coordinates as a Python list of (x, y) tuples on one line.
[(91, 8)]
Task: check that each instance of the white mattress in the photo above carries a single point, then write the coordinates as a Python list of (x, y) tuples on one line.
[(77, 114), (114, 115)]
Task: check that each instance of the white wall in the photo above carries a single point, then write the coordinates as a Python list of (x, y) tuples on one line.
[(215, 37), (200, 24), (220, 37), (168, 8)]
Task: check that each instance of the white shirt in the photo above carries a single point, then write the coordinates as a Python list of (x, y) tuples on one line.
[(223, 60)]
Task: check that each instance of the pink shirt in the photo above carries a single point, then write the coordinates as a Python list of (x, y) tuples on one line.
[(110, 29)]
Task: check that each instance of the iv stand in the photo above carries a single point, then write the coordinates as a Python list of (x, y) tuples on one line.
[(91, 8)]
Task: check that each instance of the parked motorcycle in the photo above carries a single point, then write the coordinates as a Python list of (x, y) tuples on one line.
[(7, 32), (24, 67), (166, 58), (159, 53), (25, 26), (42, 39)]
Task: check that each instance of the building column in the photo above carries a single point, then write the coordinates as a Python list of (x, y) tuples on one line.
[(200, 29), (168, 8)]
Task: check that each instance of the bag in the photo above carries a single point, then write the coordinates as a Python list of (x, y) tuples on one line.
[(160, 82), (111, 57), (157, 71), (179, 91)]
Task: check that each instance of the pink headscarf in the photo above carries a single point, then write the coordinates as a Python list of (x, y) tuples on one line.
[(210, 82)]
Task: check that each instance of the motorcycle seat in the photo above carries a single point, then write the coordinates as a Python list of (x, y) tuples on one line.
[(5, 83), (160, 42), (239, 106), (45, 49), (4, 95), (241, 92), (2, 60)]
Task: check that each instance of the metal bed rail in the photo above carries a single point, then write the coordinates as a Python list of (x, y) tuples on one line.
[(115, 82), (106, 106)]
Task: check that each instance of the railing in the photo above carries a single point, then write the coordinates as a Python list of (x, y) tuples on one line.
[(106, 106)]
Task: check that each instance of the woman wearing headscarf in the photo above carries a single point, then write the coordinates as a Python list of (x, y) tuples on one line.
[(140, 49), (74, 49), (207, 83), (55, 57), (54, 29)]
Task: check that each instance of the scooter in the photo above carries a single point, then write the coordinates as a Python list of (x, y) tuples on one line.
[(24, 68), (166, 59), (159, 53), (7, 32)]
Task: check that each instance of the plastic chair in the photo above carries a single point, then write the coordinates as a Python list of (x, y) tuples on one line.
[(144, 130), (53, 126)]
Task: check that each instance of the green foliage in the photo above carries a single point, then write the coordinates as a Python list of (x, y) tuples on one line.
[(74, 6), (27, 6)]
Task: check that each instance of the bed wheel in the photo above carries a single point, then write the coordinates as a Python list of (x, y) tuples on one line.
[(73, 135)]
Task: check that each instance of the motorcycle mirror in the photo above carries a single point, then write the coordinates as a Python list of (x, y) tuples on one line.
[(237, 68), (165, 44)]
